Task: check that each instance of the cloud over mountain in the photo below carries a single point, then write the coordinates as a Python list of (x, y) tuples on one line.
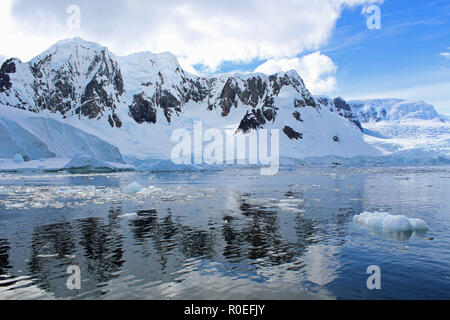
[(199, 32), (318, 70)]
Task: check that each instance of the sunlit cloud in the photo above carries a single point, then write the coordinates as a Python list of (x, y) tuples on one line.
[(198, 32), (317, 70)]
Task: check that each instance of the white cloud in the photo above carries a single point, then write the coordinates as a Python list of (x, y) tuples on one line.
[(446, 54), (317, 70), (200, 32), (2, 59)]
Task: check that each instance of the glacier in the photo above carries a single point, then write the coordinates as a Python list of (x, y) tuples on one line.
[(391, 109), (37, 137), (410, 132)]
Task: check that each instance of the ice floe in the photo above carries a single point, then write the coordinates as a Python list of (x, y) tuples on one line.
[(132, 188), (387, 223)]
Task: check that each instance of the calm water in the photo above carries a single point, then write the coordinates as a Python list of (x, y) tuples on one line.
[(223, 235)]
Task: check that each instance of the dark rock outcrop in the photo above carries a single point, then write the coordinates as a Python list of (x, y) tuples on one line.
[(341, 107), (292, 134), (87, 82), (142, 110), (7, 68), (82, 79)]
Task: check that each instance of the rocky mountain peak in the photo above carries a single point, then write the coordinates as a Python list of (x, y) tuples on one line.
[(77, 78)]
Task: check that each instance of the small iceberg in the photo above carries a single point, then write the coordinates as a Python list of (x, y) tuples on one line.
[(386, 223), (133, 188), (83, 163), (18, 158)]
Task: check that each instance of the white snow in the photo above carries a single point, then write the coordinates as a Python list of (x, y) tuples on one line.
[(37, 136), (14, 140), (385, 222), (393, 109)]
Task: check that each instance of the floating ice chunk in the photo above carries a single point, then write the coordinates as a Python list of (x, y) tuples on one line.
[(418, 224), (129, 215), (133, 188), (385, 222), (44, 256), (293, 210), (3, 190), (292, 201), (18, 158)]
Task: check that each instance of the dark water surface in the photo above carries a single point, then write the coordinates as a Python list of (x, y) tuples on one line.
[(223, 235)]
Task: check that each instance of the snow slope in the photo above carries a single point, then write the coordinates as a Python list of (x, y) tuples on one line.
[(16, 140), (375, 110), (37, 137), (408, 131)]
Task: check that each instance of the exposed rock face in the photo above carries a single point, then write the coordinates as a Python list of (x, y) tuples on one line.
[(257, 93), (142, 110), (76, 78), (341, 107), (292, 134), (297, 116), (7, 68), (71, 78)]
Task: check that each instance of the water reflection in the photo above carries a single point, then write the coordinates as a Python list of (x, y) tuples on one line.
[(51, 248), (281, 239), (4, 256), (102, 245)]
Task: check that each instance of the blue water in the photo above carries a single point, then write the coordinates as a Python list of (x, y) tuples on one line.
[(223, 235)]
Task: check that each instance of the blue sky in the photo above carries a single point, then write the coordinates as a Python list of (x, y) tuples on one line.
[(403, 59), (326, 41)]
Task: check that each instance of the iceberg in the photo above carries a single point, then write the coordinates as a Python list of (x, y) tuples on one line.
[(132, 188), (390, 224)]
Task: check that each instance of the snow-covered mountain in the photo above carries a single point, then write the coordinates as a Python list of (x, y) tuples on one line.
[(72, 78), (375, 110), (136, 102), (409, 130), (78, 90)]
